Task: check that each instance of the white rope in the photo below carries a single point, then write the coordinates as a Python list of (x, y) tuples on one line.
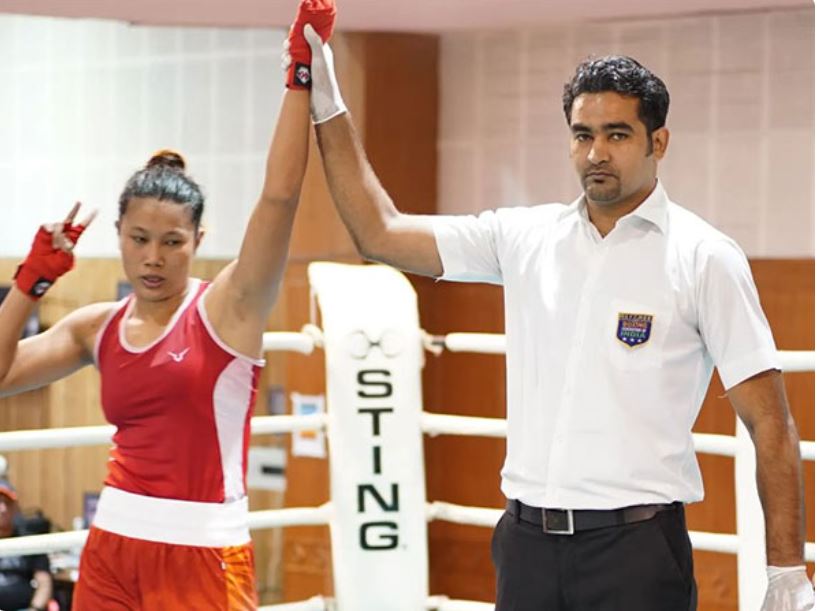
[(294, 342), (42, 544), (442, 424), (494, 343), (261, 425), (434, 603), (290, 516), (796, 360), (443, 603), (726, 445), (460, 514), (714, 542), (432, 424), (316, 603), (721, 445), (37, 439), (308, 516), (270, 518), (484, 343)]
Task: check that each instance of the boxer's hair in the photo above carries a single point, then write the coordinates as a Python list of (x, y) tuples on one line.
[(164, 178)]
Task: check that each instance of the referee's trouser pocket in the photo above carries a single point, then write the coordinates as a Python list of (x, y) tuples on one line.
[(672, 527)]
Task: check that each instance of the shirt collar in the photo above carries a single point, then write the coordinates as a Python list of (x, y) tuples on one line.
[(653, 209)]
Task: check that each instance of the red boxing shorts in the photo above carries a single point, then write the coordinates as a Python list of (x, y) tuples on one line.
[(145, 553)]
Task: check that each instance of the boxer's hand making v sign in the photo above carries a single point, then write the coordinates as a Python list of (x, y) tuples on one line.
[(51, 254)]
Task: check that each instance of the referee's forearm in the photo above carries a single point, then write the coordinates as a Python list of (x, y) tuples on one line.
[(780, 486), (362, 202)]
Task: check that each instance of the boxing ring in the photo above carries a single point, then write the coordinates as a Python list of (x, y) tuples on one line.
[(378, 511)]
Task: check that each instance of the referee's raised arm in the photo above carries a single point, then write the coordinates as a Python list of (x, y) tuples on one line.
[(380, 231)]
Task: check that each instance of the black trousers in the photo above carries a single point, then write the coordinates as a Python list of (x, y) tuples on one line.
[(643, 566)]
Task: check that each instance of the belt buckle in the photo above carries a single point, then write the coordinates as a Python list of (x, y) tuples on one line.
[(558, 528)]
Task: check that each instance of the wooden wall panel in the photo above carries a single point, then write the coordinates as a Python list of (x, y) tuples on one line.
[(307, 566), (462, 470), (401, 117)]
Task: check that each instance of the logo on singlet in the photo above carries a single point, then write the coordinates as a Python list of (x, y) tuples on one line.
[(178, 356)]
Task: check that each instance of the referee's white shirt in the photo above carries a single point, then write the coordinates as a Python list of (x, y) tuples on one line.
[(611, 344)]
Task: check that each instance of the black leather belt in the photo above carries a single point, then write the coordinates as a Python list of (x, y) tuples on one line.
[(569, 521)]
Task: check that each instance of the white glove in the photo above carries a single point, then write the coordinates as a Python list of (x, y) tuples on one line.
[(789, 589), (325, 101)]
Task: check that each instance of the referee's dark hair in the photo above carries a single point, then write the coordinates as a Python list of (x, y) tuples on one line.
[(625, 76)]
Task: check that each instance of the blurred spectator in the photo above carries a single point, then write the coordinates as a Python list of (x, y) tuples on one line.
[(25, 581)]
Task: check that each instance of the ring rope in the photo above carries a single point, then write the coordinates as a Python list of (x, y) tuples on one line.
[(432, 424), (494, 343), (269, 518), (444, 424), (74, 436), (316, 603)]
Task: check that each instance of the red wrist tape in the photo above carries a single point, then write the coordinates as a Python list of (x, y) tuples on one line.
[(320, 14), (44, 263)]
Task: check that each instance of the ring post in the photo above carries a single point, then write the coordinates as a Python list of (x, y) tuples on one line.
[(374, 357), (751, 546)]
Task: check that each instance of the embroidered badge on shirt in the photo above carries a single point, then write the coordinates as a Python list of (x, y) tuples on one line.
[(634, 329)]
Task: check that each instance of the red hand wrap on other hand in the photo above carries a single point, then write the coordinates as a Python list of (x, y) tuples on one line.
[(321, 15), (45, 263)]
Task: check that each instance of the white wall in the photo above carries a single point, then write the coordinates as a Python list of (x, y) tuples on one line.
[(741, 117), (83, 104)]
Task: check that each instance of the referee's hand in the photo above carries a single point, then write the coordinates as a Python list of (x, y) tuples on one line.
[(789, 590)]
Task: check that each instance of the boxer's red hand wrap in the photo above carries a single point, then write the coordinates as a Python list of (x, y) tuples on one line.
[(45, 263), (321, 15)]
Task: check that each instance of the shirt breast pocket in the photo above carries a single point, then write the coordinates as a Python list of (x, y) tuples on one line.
[(636, 334)]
